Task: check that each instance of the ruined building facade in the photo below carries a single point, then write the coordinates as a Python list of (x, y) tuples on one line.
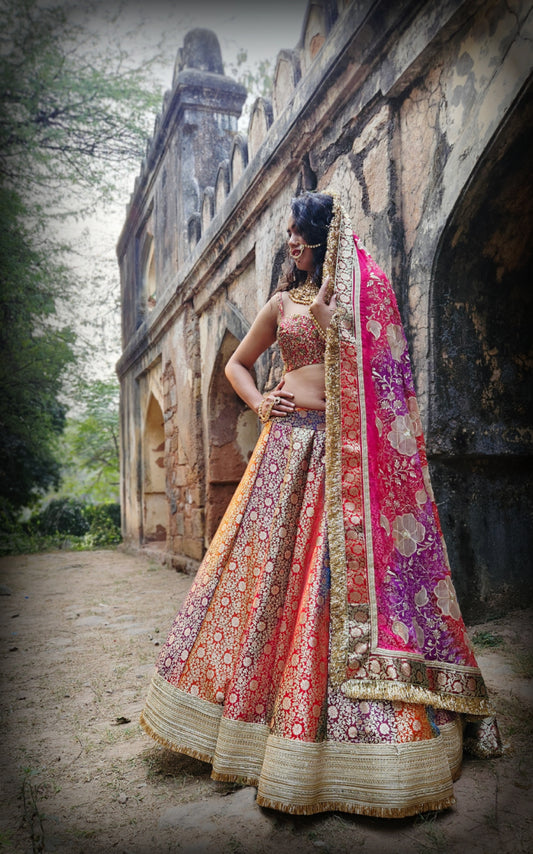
[(416, 114)]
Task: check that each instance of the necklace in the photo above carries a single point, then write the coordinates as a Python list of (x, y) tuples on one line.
[(304, 294)]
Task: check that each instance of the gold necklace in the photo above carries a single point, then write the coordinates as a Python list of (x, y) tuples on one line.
[(304, 294)]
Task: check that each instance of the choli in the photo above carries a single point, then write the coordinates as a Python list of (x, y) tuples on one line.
[(298, 340)]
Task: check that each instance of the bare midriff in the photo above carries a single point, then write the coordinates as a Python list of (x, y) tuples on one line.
[(308, 385)]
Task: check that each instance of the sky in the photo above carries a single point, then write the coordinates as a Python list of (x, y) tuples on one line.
[(147, 29)]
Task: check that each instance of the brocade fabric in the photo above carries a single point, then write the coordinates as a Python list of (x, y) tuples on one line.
[(321, 654)]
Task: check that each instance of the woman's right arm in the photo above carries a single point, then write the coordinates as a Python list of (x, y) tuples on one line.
[(260, 337)]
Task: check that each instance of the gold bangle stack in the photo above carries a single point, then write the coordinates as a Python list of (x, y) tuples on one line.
[(319, 329), (265, 408)]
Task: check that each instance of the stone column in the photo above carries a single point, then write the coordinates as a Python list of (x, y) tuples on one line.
[(205, 106)]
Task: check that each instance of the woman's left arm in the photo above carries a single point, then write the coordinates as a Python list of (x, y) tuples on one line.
[(239, 367)]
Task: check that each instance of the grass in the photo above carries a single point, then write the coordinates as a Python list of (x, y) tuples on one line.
[(120, 733), (234, 846), (486, 639)]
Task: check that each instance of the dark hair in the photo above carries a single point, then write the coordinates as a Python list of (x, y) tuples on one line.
[(312, 214)]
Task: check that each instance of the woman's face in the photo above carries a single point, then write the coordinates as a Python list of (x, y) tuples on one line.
[(303, 256)]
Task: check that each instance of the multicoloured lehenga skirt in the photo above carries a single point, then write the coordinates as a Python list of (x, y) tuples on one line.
[(242, 681)]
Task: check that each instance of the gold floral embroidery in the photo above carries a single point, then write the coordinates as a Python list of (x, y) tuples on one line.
[(396, 339), (447, 598), (407, 533), (401, 436)]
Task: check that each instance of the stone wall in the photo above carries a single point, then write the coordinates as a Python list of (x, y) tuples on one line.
[(416, 114)]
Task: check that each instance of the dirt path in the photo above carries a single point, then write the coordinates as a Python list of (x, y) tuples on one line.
[(79, 637)]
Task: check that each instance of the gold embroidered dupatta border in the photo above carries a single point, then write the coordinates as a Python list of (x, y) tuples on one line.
[(422, 685)]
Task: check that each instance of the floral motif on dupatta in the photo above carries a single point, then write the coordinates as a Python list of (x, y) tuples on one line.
[(397, 631)]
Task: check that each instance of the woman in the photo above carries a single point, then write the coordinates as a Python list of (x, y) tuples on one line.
[(321, 654)]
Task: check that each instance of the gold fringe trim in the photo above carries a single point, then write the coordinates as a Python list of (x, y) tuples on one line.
[(310, 809), (406, 693), (357, 809), (165, 742), (387, 780), (234, 778)]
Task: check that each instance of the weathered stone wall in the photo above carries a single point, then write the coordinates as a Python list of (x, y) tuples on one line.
[(416, 114)]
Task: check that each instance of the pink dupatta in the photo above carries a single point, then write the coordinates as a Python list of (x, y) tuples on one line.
[(397, 630)]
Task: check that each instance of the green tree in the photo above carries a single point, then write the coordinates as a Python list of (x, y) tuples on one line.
[(72, 112), (35, 351), (257, 77), (90, 444), (71, 118)]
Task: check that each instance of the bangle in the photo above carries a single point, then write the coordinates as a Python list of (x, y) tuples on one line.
[(264, 409), (321, 332)]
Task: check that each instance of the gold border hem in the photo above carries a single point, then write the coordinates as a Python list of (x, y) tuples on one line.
[(388, 780), (358, 809)]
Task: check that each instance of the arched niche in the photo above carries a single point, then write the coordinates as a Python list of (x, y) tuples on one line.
[(286, 78), (507, 94), (154, 500), (260, 122), (194, 230), (232, 434), (480, 412), (238, 158), (222, 184), (315, 30), (208, 207)]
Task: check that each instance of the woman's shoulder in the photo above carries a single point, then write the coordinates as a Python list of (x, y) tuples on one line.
[(276, 302)]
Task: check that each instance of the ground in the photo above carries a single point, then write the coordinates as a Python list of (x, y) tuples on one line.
[(79, 637)]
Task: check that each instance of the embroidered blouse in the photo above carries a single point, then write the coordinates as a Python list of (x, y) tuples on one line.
[(299, 340)]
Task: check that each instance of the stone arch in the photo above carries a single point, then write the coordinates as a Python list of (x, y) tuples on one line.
[(315, 30), (481, 400), (222, 184), (509, 90), (260, 121), (208, 207), (231, 436), (154, 500), (194, 230), (238, 158), (286, 78), (172, 458)]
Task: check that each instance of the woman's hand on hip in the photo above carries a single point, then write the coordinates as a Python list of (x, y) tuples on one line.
[(277, 402)]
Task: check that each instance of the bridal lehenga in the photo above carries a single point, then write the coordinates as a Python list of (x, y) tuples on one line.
[(321, 654)]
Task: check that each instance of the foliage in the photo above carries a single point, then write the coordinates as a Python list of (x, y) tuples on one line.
[(487, 639), (34, 352), (69, 110), (104, 527), (64, 523), (256, 78), (70, 116), (89, 446), (62, 516), (102, 514)]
